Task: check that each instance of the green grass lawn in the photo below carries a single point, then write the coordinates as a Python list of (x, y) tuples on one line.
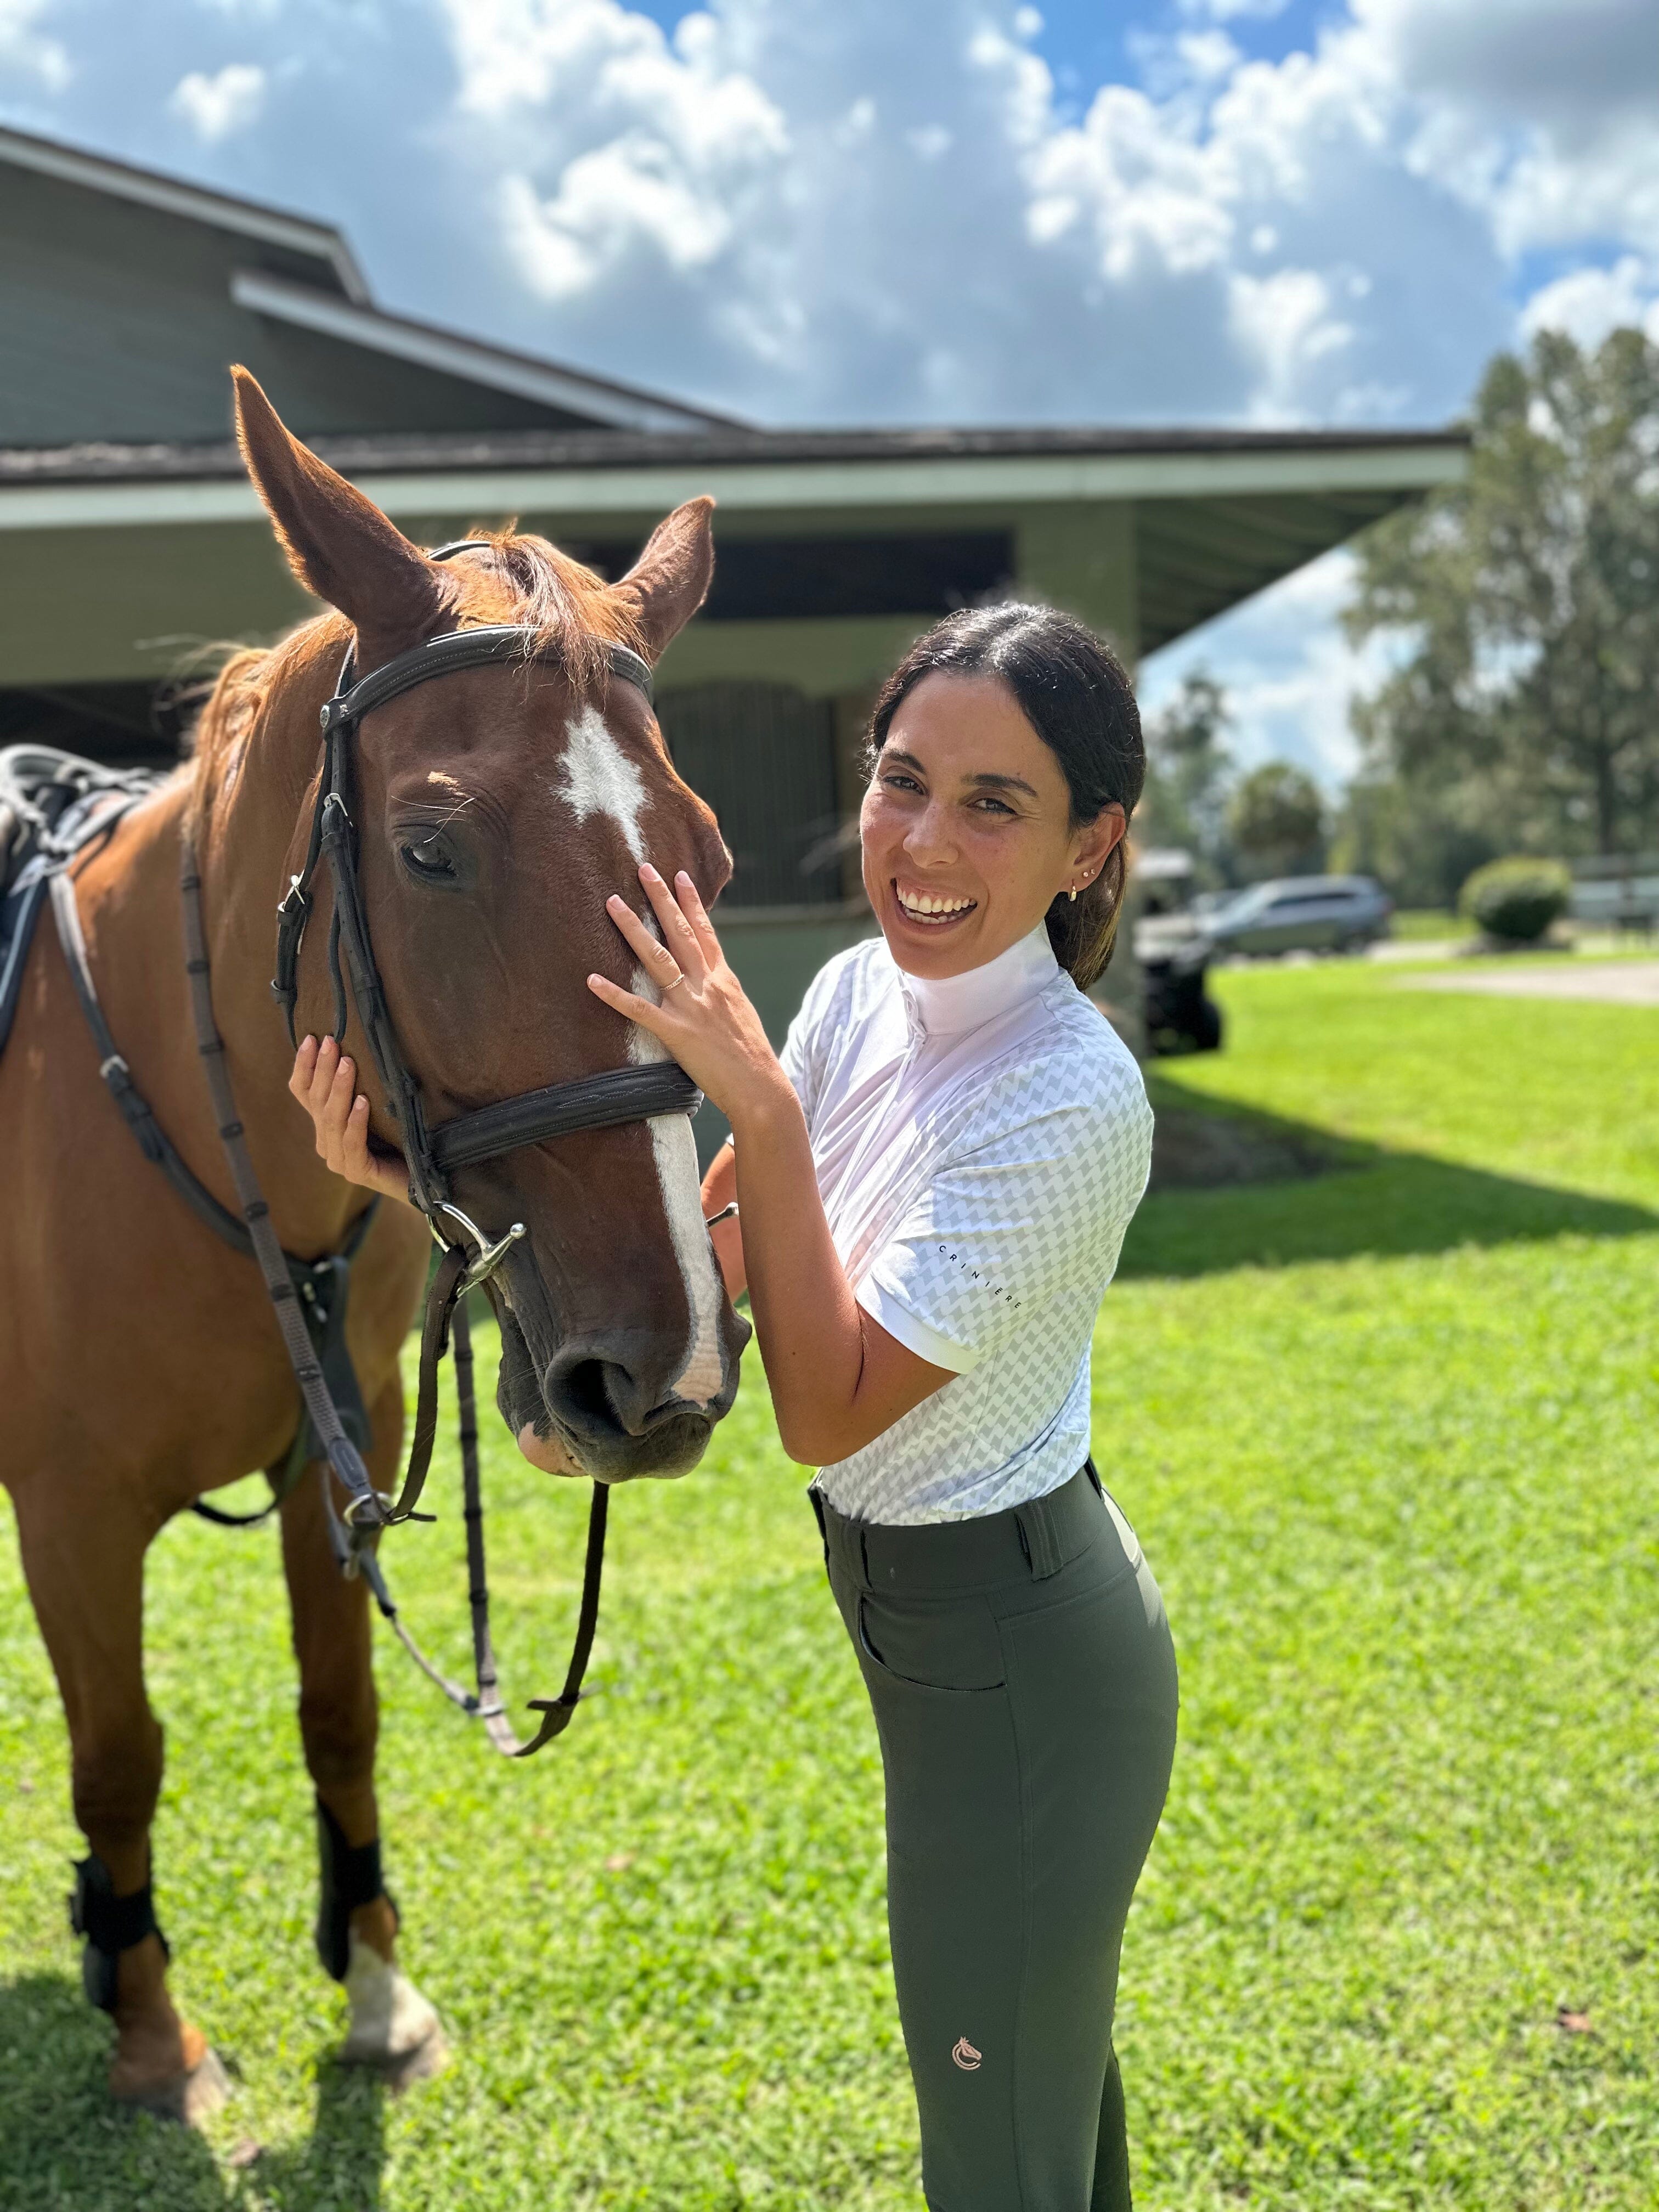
[(1387, 1435)]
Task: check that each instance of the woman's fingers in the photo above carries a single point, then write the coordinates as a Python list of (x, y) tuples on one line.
[(658, 963), (648, 1017), (678, 935), (305, 1068), (324, 1081), (336, 1113), (696, 916), (361, 1165)]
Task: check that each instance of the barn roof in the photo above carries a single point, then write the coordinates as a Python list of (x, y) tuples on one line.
[(124, 293)]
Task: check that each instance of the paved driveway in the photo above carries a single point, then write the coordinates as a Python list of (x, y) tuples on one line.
[(1615, 983)]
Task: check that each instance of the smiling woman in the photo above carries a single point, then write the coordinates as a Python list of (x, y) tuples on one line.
[(925, 1198)]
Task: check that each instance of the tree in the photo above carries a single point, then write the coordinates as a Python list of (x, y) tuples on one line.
[(1276, 821), (1526, 703), (1189, 771)]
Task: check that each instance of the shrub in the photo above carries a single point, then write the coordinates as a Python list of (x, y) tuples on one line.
[(1515, 901)]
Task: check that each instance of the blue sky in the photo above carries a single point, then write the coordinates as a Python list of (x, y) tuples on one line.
[(1242, 211)]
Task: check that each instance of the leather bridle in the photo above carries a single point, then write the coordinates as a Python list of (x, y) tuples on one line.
[(592, 1102)]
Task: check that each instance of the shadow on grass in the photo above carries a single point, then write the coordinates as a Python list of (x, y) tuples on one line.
[(339, 2164), (1305, 1194), (64, 2147)]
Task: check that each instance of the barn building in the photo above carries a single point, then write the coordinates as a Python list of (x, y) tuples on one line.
[(130, 538)]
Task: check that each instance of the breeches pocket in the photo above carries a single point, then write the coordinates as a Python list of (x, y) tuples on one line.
[(932, 1644)]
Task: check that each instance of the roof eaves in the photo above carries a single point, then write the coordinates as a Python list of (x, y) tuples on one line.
[(439, 453), (299, 234), (619, 406)]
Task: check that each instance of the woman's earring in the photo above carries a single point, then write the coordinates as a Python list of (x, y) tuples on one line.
[(1071, 894)]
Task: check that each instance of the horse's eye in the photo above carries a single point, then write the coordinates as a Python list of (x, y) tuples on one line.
[(429, 863)]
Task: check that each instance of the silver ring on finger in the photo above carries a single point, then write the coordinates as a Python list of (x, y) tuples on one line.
[(679, 977)]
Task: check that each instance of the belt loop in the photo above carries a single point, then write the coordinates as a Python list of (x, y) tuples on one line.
[(818, 1515), (1040, 1537), (864, 1556)]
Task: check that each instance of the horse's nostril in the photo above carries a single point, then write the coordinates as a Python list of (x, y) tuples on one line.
[(601, 1390), (581, 1397)]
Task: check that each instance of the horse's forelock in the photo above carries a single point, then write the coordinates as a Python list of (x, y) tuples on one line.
[(525, 579)]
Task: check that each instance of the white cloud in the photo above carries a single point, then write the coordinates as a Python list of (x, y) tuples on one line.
[(876, 211), (26, 49), (855, 209), (1283, 323), (1587, 303), (1290, 675), (217, 106), (1544, 114)]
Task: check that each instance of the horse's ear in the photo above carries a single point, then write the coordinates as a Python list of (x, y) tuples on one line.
[(670, 580), (338, 543)]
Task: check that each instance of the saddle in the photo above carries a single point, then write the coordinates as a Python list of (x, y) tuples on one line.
[(52, 807), (55, 807)]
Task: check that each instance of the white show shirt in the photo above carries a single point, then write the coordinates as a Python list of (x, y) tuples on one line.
[(981, 1145)]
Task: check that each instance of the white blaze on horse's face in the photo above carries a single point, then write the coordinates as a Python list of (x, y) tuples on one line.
[(675, 1151), (597, 777)]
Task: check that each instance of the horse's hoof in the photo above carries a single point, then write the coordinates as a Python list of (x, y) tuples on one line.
[(187, 2097), (420, 2064), (394, 2029)]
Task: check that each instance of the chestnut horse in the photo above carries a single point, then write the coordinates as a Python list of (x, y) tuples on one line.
[(496, 808)]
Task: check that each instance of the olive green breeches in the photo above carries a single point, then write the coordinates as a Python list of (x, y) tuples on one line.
[(1024, 1682)]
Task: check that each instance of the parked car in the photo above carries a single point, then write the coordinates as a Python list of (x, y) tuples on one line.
[(1618, 890), (1302, 913)]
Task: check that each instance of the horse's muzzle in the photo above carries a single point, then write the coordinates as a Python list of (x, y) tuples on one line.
[(609, 1398)]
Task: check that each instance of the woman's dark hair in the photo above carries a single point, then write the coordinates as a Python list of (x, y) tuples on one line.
[(1073, 690)]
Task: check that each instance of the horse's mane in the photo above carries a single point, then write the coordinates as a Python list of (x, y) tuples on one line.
[(570, 612)]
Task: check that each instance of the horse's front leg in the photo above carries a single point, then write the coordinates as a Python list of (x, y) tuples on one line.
[(85, 1571), (393, 2027)]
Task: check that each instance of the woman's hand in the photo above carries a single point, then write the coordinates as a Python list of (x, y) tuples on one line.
[(326, 1083), (704, 1018)]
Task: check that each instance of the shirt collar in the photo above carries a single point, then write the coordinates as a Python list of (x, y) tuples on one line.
[(952, 1005)]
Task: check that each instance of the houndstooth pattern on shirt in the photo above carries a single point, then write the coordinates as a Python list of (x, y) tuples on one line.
[(999, 1263)]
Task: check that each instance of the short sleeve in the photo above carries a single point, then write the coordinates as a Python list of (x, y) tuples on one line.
[(1029, 1215)]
